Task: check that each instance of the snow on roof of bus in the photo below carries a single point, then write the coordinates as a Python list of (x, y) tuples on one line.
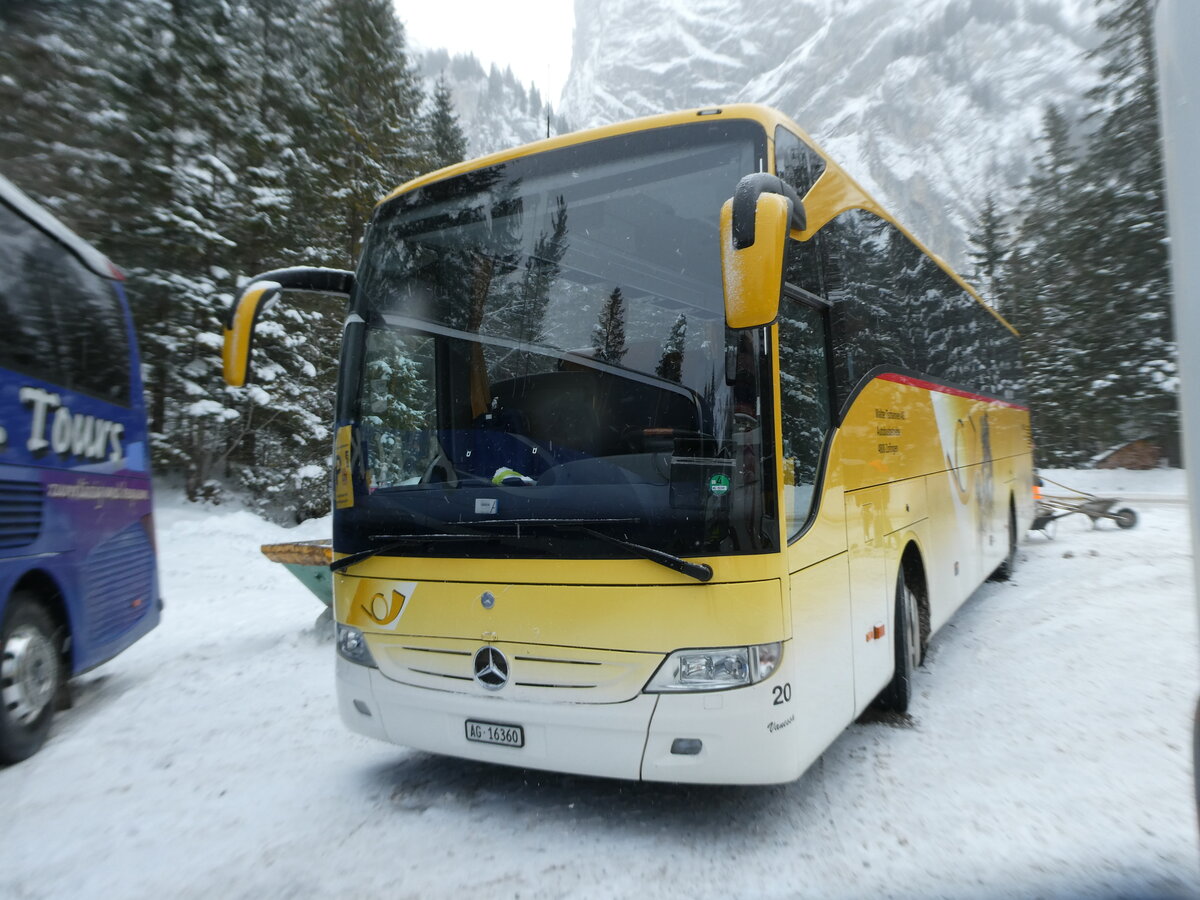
[(41, 218)]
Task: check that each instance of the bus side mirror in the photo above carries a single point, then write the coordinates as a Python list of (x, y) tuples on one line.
[(754, 232), (239, 329), (257, 296)]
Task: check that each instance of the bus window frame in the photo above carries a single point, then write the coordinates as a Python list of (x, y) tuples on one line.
[(794, 293)]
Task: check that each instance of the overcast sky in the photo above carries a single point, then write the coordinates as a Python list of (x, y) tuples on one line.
[(532, 36)]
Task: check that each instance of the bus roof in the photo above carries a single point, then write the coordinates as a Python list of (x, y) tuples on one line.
[(834, 192), (42, 219)]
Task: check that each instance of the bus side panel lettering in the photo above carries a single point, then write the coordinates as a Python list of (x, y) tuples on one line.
[(41, 401), (71, 434), (114, 438)]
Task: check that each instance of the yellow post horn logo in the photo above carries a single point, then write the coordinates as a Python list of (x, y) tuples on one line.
[(383, 613)]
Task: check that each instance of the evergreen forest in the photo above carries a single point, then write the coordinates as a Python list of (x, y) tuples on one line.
[(198, 142), (1076, 258)]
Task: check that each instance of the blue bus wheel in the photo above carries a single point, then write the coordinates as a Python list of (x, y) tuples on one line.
[(31, 675)]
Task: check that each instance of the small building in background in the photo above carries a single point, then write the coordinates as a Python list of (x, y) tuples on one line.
[(1143, 453)]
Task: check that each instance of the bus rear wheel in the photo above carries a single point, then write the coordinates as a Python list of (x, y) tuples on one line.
[(897, 696), (31, 675), (1004, 571)]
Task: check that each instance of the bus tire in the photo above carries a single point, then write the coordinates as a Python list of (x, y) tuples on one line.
[(1005, 570), (31, 677), (897, 696)]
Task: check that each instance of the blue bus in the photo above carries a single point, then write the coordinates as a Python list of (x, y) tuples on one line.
[(78, 577)]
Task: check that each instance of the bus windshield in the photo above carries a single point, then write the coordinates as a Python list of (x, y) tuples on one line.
[(545, 342)]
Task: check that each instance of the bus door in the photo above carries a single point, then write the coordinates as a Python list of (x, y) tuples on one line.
[(871, 591)]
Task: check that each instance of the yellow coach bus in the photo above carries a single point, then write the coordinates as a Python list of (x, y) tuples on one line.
[(662, 451)]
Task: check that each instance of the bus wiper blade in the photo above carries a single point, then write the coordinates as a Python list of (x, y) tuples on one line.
[(699, 571), (396, 541), (554, 523)]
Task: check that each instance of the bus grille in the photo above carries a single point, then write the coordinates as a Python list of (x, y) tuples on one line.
[(119, 582), (538, 673), (20, 513)]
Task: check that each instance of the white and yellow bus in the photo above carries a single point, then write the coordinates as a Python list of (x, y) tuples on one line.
[(662, 451)]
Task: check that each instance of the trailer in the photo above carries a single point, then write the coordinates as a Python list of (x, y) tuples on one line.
[(1049, 508)]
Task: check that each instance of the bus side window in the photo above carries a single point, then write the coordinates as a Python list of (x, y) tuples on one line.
[(65, 324), (28, 318), (92, 330), (804, 404), (795, 162)]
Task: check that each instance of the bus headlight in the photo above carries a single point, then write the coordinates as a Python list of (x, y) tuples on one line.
[(715, 669), (352, 646)]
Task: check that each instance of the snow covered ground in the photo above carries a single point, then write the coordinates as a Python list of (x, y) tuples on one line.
[(1048, 755)]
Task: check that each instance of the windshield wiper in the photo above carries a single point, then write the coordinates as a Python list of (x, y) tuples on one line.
[(699, 571), (396, 541)]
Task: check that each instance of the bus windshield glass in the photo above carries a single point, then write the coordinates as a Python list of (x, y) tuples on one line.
[(545, 344)]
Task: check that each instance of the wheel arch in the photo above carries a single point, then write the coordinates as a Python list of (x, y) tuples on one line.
[(48, 592)]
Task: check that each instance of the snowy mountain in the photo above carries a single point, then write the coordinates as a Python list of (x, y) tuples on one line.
[(929, 103)]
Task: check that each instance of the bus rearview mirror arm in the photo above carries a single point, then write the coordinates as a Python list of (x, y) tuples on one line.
[(755, 225), (259, 294)]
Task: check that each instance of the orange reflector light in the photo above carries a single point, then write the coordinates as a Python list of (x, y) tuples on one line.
[(879, 630)]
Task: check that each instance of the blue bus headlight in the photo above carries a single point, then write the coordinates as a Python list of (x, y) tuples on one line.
[(715, 669), (352, 645)]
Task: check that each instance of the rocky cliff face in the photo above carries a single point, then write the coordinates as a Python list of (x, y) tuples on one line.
[(929, 103)]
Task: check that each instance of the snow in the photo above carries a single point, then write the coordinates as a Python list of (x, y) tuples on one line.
[(1047, 755), (929, 104), (202, 408)]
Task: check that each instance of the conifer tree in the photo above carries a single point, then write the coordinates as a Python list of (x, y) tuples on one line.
[(447, 143), (51, 99), (1043, 297), (989, 248), (368, 130), (541, 270), (196, 144), (174, 225), (1087, 280), (608, 336), (670, 364), (1133, 346)]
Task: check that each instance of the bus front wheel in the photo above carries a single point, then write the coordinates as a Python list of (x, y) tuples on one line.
[(897, 696), (31, 674)]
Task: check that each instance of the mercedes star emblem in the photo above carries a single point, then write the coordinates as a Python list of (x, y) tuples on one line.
[(491, 668)]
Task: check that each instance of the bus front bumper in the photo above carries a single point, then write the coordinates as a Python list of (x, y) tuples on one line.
[(742, 737)]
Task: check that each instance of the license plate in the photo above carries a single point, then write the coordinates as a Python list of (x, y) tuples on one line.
[(495, 733)]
